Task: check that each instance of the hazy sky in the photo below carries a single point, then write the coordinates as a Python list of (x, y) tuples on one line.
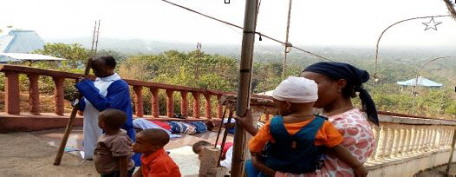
[(314, 22)]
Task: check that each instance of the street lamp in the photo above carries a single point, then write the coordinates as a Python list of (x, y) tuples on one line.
[(418, 70)]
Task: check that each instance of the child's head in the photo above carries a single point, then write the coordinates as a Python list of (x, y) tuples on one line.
[(198, 146), (295, 94), (111, 119), (150, 140)]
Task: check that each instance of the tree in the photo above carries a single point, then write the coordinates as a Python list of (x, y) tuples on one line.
[(74, 54)]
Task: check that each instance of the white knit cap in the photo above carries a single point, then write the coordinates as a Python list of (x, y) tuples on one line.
[(296, 90)]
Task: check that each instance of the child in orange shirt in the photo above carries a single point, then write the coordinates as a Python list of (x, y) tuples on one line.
[(155, 162), (295, 140)]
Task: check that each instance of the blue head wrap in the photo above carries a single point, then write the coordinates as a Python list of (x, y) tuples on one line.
[(354, 76)]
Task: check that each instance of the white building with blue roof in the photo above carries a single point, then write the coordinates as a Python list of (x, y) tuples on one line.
[(20, 41)]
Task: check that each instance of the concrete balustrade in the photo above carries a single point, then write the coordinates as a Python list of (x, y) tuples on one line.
[(407, 145)]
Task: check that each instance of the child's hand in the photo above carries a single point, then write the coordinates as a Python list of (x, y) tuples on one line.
[(360, 171)]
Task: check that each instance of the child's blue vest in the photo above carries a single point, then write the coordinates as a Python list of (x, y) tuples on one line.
[(297, 153)]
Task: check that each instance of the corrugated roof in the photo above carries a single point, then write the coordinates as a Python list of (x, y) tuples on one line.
[(421, 82), (21, 41), (16, 57)]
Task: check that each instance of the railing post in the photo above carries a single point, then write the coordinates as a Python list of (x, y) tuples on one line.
[(12, 93), (374, 156), (184, 103), (34, 94), (219, 107), (196, 106), (396, 137), (208, 106), (381, 147), (389, 142), (169, 103), (402, 140), (421, 139), (408, 140), (154, 102), (139, 103), (59, 95)]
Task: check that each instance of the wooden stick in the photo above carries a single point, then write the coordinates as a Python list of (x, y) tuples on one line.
[(69, 126), (225, 134), (220, 129)]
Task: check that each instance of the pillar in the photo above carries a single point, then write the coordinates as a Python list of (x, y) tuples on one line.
[(169, 103), (208, 106), (196, 106), (12, 93), (139, 103), (59, 95), (184, 103), (34, 94), (155, 110), (219, 107)]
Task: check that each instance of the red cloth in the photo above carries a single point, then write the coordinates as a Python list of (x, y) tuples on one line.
[(225, 148), (162, 124)]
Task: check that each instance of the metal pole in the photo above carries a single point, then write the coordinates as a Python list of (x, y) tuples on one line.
[(245, 76), (285, 51), (452, 152)]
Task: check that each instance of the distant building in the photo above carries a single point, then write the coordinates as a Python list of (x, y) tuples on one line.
[(420, 82), (20, 41)]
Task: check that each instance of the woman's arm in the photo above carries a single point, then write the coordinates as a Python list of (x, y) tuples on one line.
[(343, 154), (123, 166), (259, 165)]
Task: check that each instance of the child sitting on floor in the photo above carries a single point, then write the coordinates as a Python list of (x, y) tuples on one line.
[(154, 160), (295, 140), (112, 156)]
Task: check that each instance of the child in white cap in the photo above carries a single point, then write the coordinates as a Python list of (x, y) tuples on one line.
[(295, 140)]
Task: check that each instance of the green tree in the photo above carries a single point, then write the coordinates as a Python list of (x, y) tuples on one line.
[(75, 54)]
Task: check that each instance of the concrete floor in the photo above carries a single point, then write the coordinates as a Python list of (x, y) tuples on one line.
[(32, 154), (179, 148)]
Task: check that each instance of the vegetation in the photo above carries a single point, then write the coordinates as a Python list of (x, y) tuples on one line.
[(217, 72)]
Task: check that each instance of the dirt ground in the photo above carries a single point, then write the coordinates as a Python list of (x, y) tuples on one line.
[(23, 155)]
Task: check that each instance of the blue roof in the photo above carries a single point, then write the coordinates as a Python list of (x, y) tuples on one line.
[(421, 82), (20, 41)]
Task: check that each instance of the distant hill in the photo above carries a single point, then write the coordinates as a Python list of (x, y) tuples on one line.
[(271, 52)]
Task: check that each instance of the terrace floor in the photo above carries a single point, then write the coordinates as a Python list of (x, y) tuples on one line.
[(33, 153)]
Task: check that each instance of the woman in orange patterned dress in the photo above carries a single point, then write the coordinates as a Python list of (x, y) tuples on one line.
[(337, 84)]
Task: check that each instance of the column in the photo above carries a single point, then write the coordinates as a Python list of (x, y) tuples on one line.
[(208, 106), (219, 107), (169, 103), (139, 103), (196, 106), (12, 93), (59, 95), (154, 102), (34, 94), (184, 103)]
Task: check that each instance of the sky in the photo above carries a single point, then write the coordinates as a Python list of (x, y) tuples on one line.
[(313, 22)]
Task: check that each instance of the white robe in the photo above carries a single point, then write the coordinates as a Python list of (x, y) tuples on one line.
[(90, 129)]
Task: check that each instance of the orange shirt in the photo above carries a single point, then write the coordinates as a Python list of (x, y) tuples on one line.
[(327, 135), (159, 164)]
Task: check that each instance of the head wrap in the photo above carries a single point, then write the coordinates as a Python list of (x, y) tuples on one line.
[(296, 90), (354, 76)]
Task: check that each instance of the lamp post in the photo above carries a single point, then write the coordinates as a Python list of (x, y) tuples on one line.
[(287, 45), (387, 28)]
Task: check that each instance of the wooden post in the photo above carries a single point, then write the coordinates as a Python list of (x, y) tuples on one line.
[(184, 103), (245, 77), (58, 95), (208, 106), (139, 103), (169, 103), (196, 106), (12, 96), (219, 107), (154, 101), (34, 94)]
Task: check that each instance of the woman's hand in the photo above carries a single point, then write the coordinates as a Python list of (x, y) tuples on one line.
[(360, 171), (247, 123)]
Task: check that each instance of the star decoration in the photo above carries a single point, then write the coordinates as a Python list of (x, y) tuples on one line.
[(431, 24)]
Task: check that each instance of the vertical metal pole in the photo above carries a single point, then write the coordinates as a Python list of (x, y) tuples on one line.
[(452, 151), (245, 76), (284, 67)]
